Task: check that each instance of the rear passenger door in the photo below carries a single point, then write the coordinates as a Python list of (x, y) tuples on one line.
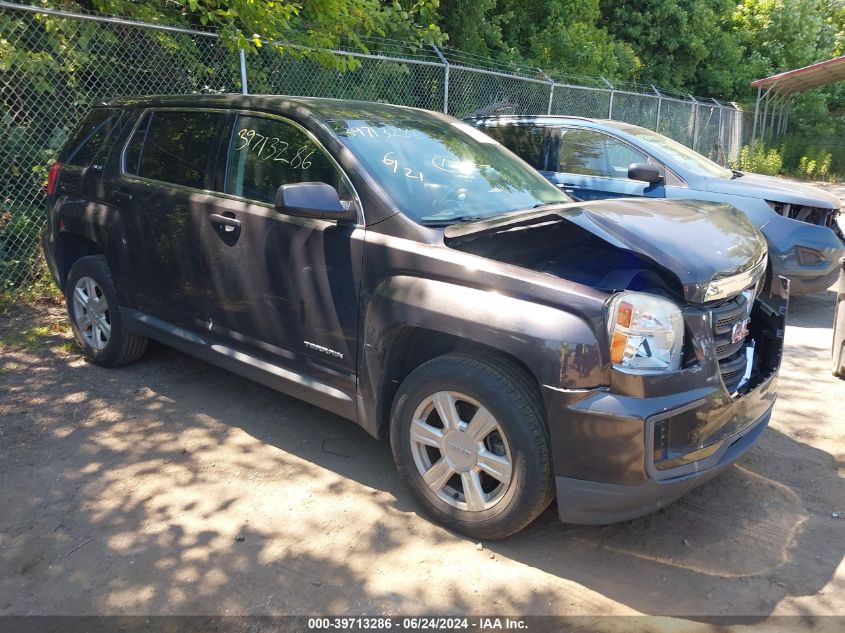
[(593, 165), (282, 288), (163, 194)]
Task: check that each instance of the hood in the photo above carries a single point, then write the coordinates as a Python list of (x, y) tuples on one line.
[(774, 189), (698, 242)]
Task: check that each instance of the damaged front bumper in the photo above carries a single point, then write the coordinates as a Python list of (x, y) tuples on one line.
[(635, 447)]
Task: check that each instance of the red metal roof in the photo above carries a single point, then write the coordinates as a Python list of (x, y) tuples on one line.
[(812, 76)]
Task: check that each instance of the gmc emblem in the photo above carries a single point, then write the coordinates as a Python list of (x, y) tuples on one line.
[(739, 331)]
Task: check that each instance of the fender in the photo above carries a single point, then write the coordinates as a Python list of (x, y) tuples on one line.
[(104, 225), (558, 347)]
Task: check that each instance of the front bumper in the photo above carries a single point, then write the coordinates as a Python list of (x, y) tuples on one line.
[(606, 467), (592, 502), (804, 282), (806, 254)]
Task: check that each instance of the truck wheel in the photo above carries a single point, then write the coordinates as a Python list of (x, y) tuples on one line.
[(95, 315), (468, 436)]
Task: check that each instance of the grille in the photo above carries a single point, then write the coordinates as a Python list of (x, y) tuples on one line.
[(731, 355)]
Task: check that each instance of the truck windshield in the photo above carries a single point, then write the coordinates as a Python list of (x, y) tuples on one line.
[(439, 172), (684, 155)]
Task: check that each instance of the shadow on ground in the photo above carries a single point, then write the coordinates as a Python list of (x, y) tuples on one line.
[(170, 486)]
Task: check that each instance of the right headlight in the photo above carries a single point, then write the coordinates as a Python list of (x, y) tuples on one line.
[(646, 333)]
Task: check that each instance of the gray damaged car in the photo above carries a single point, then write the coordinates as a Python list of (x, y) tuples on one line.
[(597, 159)]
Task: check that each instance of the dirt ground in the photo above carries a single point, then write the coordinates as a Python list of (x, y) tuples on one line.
[(172, 487)]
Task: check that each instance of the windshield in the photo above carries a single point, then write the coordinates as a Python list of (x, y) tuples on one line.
[(684, 155), (439, 172)]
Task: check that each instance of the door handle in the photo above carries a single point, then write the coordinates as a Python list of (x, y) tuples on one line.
[(121, 195), (230, 224)]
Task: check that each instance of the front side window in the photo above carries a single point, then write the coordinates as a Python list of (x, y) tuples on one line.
[(174, 147), (265, 154), (681, 154), (593, 153), (438, 171)]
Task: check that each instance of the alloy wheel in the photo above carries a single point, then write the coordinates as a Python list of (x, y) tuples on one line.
[(461, 451), (91, 313)]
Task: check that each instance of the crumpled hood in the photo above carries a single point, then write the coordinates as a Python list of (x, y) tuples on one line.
[(696, 241), (774, 189)]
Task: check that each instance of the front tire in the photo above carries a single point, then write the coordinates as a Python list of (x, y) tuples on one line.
[(95, 315), (469, 438)]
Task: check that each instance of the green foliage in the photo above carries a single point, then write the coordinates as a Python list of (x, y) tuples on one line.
[(37, 337), (780, 34), (792, 158), (710, 47), (757, 159), (814, 166), (688, 46), (559, 36), (296, 27)]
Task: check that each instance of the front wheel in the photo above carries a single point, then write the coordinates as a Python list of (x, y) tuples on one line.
[(469, 438)]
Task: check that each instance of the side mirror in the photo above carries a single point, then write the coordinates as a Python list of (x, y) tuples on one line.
[(312, 200), (645, 172)]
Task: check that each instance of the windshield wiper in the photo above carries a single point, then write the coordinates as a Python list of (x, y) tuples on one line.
[(736, 174), (439, 222)]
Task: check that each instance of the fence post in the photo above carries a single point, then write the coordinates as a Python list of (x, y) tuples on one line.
[(610, 105), (719, 142), (242, 56), (445, 63), (756, 116), (694, 122), (551, 89), (659, 105), (786, 117)]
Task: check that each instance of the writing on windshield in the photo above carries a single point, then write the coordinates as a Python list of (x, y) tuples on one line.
[(434, 169)]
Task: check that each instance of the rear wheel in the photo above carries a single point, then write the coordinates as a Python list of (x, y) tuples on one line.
[(95, 316), (468, 436)]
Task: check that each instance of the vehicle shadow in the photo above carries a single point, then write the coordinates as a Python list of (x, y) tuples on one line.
[(154, 463)]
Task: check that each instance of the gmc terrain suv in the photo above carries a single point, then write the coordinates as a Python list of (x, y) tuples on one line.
[(403, 270)]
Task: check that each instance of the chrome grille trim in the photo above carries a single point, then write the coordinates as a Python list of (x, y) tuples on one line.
[(732, 359)]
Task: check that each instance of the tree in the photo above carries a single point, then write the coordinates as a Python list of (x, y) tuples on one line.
[(780, 34), (685, 46), (559, 36), (472, 26), (295, 26)]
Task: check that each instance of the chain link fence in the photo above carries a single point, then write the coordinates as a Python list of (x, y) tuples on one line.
[(54, 64)]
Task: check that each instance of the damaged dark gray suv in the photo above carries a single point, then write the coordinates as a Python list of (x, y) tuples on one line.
[(403, 270)]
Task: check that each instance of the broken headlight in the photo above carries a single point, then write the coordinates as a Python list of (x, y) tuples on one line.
[(646, 333)]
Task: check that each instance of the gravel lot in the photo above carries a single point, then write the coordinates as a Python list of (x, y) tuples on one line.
[(172, 487)]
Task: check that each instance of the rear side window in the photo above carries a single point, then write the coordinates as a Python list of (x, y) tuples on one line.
[(90, 137), (528, 142), (267, 153), (174, 147)]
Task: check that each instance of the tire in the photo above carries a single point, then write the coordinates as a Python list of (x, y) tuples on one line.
[(97, 325), (470, 453)]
